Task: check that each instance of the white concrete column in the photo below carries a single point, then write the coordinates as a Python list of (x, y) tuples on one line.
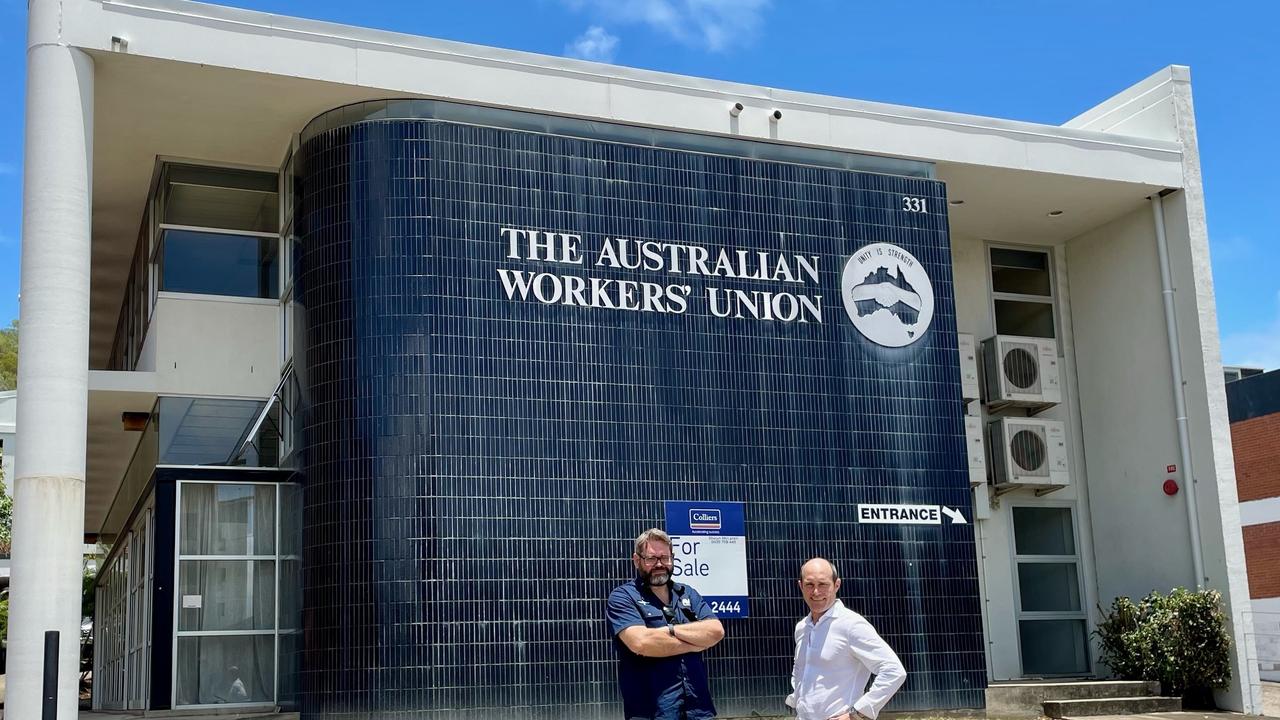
[(53, 367)]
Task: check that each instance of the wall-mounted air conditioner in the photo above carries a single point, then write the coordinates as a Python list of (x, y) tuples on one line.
[(1027, 452), (968, 367), (1020, 372), (974, 446)]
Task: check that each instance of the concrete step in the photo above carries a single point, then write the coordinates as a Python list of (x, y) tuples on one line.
[(1026, 698), (1111, 706)]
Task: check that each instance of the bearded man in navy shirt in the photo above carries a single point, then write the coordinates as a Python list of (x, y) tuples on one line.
[(660, 629)]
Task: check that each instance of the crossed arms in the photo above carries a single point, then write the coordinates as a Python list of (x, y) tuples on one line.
[(657, 642)]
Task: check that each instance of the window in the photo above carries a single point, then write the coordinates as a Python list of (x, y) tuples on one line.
[(1022, 292), (135, 309), (290, 428), (214, 431), (215, 197), (289, 252), (1052, 631), (122, 618), (238, 590), (218, 263), (217, 232)]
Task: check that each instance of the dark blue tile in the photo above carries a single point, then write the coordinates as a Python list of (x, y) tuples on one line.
[(476, 467)]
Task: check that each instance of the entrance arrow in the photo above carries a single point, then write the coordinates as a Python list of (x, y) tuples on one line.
[(956, 517)]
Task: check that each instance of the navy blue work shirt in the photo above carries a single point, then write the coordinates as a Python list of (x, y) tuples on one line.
[(670, 688)]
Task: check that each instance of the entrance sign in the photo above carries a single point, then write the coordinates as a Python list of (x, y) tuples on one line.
[(908, 515), (709, 543)]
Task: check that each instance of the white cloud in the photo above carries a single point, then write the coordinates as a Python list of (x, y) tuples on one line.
[(715, 25), (1259, 347), (594, 44)]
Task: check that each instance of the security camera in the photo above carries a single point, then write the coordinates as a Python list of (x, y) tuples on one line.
[(735, 109), (775, 116)]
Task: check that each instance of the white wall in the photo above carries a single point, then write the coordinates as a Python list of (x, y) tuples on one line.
[(1266, 628), (1126, 398), (214, 346), (1130, 432), (1143, 110), (1211, 452), (1260, 512), (1161, 107)]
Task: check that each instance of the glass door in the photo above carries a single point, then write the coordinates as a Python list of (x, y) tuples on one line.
[(1052, 632), (138, 620), (111, 675), (226, 605), (122, 621)]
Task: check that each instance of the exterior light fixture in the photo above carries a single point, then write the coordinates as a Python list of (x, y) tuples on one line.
[(1055, 213), (955, 202), (775, 116), (134, 421), (735, 109)]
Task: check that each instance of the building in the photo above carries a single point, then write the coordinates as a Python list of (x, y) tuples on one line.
[(8, 451), (1254, 406), (394, 344), (1231, 373)]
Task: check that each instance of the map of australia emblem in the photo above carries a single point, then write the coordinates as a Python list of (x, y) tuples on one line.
[(887, 294)]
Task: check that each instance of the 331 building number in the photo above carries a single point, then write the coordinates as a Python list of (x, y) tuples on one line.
[(914, 204)]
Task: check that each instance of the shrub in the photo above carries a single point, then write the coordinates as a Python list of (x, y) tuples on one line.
[(1179, 639), (1120, 650)]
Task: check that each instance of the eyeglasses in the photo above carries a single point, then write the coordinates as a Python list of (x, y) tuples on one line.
[(651, 559)]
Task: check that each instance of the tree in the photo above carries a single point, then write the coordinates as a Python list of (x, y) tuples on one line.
[(9, 357)]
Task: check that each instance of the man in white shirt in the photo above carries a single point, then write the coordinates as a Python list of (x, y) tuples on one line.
[(837, 651)]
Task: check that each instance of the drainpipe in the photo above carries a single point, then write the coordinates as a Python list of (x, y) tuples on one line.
[(1179, 391)]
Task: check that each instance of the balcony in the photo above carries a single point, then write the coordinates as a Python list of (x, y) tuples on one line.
[(200, 316)]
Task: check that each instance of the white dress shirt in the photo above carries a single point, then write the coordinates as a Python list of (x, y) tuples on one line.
[(834, 659)]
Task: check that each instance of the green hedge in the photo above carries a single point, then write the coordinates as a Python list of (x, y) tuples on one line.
[(1179, 639)]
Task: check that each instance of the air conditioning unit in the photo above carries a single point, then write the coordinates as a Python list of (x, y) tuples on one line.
[(968, 367), (974, 445), (1027, 452), (1020, 372)]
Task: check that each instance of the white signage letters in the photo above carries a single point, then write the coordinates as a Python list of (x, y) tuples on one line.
[(673, 264)]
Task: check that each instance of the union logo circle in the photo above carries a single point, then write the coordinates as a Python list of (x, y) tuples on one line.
[(887, 294)]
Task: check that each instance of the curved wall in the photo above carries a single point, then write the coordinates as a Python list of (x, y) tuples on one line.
[(479, 452)]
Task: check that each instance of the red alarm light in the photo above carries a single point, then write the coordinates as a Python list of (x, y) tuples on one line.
[(1170, 487)]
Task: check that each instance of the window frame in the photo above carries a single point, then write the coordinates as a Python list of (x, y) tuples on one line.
[(286, 189), (274, 632), (1051, 299), (1078, 559), (157, 259)]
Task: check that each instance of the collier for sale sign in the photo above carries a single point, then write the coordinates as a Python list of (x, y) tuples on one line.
[(709, 543)]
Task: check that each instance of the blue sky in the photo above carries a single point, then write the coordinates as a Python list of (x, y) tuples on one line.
[(1023, 59)]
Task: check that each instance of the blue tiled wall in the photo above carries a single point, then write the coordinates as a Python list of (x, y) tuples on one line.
[(477, 467)]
